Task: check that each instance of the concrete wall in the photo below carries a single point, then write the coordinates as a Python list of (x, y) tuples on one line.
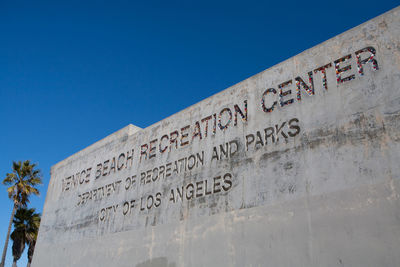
[(310, 182)]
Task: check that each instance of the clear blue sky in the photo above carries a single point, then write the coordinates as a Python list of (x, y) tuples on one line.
[(73, 72)]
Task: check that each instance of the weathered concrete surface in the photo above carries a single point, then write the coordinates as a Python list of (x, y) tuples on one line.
[(312, 183)]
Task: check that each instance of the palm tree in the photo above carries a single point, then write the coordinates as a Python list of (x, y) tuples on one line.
[(31, 249), (34, 224), (21, 182), (18, 246), (26, 227)]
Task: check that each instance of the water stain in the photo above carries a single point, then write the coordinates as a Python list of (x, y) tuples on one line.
[(156, 262)]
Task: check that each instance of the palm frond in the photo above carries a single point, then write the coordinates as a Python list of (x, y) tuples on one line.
[(26, 225), (22, 182)]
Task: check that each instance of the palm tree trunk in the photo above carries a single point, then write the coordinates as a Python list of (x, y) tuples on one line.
[(3, 257), (28, 264), (14, 263)]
